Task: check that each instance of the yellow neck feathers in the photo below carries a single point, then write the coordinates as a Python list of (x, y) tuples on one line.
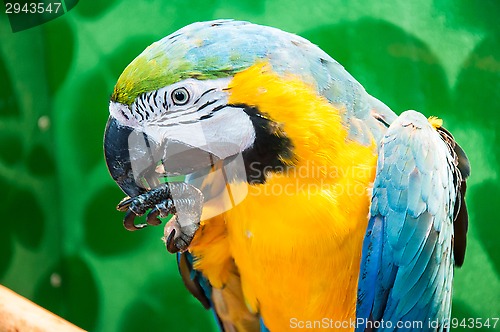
[(314, 126)]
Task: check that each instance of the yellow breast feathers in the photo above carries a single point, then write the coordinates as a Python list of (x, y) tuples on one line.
[(296, 239)]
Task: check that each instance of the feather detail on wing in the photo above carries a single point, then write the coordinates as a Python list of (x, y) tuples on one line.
[(231, 308), (227, 302), (194, 280), (407, 264)]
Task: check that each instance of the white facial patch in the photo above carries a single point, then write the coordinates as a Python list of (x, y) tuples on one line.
[(123, 114), (203, 120), (228, 132)]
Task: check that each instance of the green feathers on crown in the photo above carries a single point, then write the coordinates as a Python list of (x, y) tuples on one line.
[(146, 73), (203, 50)]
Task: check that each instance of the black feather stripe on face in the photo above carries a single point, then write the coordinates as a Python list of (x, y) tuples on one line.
[(271, 150)]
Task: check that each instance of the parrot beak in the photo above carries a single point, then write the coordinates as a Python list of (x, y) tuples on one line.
[(138, 163), (117, 155)]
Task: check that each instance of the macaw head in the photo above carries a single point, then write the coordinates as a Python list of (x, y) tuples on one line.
[(215, 92)]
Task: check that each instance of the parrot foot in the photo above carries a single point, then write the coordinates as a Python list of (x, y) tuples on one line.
[(181, 228), (159, 200), (181, 200), (174, 238)]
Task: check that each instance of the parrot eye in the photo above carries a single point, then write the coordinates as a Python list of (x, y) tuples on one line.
[(180, 96)]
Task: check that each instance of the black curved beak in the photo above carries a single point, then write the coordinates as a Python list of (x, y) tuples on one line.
[(117, 154), (137, 163)]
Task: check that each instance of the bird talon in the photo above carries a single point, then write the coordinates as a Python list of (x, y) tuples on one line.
[(152, 218), (160, 203), (171, 247), (124, 204), (129, 224), (157, 199)]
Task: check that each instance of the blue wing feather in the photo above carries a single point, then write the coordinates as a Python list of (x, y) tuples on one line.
[(195, 282), (407, 264), (370, 264)]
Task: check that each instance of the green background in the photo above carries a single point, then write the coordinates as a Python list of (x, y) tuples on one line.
[(62, 243)]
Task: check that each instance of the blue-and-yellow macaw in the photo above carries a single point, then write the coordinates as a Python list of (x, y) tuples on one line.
[(298, 200)]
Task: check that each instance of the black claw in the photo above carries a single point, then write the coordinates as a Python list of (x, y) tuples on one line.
[(160, 204), (171, 243), (152, 218), (124, 204), (129, 224), (158, 200)]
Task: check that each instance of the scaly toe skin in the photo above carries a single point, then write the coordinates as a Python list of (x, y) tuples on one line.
[(166, 208), (163, 201)]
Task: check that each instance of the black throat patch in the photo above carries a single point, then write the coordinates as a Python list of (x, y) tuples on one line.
[(271, 151)]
